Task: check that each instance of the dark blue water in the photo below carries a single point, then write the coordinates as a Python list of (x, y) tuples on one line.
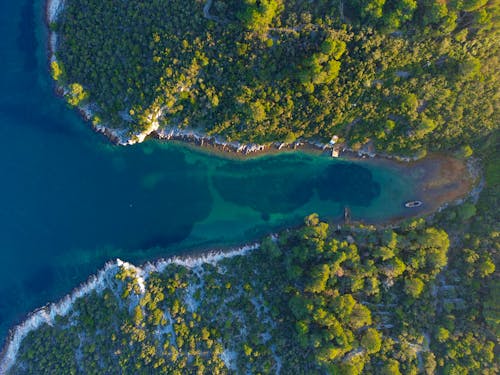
[(69, 200)]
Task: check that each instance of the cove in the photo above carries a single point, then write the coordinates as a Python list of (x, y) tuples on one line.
[(70, 201)]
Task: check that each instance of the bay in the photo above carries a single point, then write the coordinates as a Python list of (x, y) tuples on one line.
[(70, 201)]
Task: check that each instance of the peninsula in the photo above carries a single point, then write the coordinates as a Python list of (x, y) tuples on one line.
[(400, 78)]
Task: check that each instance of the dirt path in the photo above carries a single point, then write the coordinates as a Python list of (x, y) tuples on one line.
[(208, 16), (206, 11)]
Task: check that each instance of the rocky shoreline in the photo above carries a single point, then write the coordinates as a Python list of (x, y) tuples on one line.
[(124, 137), (98, 282)]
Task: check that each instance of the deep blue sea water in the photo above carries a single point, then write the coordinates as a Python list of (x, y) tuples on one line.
[(69, 200)]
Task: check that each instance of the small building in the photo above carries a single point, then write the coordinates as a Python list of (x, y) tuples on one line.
[(334, 139)]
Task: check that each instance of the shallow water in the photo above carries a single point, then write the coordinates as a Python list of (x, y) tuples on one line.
[(69, 200)]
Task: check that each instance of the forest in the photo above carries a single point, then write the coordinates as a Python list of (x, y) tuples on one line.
[(420, 297), (400, 76)]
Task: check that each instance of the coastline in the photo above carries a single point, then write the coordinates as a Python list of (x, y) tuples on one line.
[(466, 185), (123, 137), (98, 282), (443, 188), (194, 139), (213, 144)]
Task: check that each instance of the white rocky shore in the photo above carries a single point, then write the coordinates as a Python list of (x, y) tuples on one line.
[(54, 8), (104, 278), (119, 136)]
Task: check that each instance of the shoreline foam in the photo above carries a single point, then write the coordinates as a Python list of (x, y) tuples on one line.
[(98, 282)]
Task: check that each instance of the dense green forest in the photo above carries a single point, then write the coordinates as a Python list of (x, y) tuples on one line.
[(417, 298), (406, 76)]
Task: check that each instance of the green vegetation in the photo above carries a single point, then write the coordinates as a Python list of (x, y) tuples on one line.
[(407, 75), (257, 15), (414, 299)]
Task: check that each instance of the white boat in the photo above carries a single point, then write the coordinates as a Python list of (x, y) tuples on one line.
[(413, 204)]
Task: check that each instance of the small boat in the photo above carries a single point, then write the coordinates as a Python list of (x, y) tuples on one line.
[(413, 204)]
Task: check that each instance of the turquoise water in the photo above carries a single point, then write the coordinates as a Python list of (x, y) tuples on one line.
[(69, 200)]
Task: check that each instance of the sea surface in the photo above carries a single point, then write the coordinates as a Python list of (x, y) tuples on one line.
[(70, 201)]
